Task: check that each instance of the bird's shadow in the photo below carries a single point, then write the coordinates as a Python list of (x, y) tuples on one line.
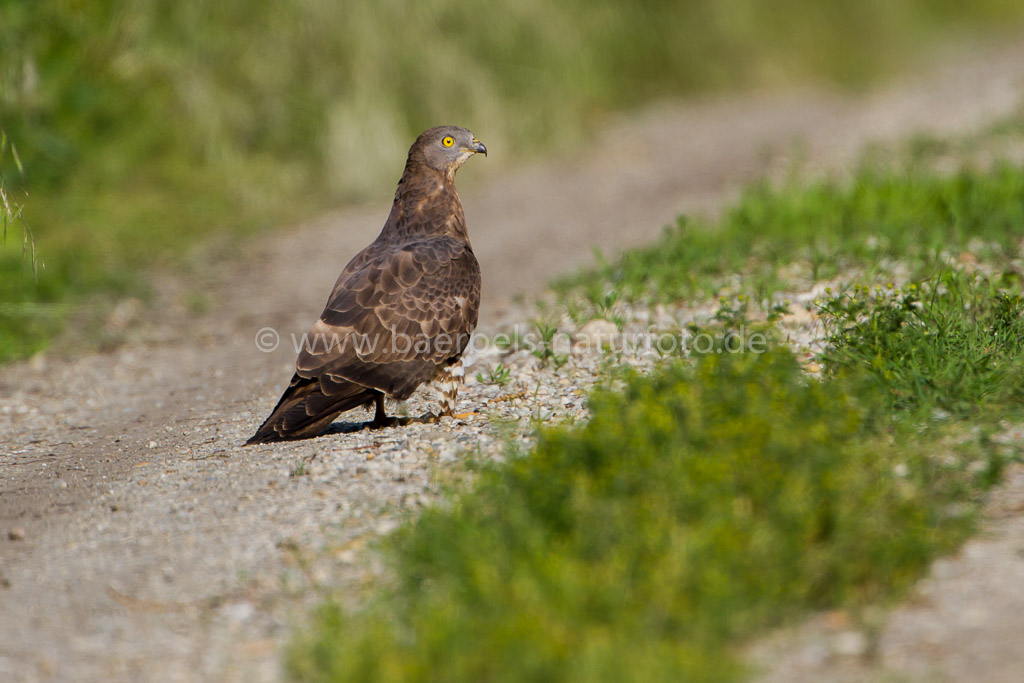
[(371, 425)]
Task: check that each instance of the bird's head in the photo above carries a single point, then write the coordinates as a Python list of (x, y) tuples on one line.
[(445, 148)]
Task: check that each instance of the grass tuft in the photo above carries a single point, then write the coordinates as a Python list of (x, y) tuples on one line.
[(954, 341)]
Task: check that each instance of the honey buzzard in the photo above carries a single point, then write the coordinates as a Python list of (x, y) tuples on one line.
[(401, 312)]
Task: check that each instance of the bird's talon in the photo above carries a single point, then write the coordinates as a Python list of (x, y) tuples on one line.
[(381, 424)]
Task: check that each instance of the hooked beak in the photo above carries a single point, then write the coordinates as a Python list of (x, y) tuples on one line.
[(478, 147)]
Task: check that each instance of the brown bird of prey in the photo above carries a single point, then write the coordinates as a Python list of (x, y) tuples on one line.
[(401, 312)]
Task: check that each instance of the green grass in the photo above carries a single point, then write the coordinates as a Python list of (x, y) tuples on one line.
[(883, 215), (20, 333), (146, 127), (954, 341)]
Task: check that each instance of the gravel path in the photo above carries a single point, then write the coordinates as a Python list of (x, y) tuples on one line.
[(141, 542)]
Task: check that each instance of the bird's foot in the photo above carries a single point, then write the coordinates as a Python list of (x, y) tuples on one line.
[(381, 423), (436, 417)]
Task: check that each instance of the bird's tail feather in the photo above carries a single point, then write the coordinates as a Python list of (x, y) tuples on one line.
[(305, 411)]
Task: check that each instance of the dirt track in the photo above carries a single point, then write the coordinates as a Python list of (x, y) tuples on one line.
[(157, 549)]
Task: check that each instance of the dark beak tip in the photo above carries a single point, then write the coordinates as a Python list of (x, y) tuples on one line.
[(480, 148)]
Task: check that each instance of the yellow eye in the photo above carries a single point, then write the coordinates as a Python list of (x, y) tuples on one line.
[(448, 141)]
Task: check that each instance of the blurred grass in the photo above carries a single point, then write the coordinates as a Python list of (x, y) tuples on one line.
[(146, 126)]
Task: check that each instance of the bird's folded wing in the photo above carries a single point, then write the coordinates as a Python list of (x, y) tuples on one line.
[(392, 319)]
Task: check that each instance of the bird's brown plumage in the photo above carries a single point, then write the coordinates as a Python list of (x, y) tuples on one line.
[(403, 308)]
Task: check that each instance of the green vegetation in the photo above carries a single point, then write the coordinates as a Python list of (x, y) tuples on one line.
[(914, 216), (10, 210), (498, 376), (13, 336), (545, 350), (145, 128), (697, 507), (954, 341)]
